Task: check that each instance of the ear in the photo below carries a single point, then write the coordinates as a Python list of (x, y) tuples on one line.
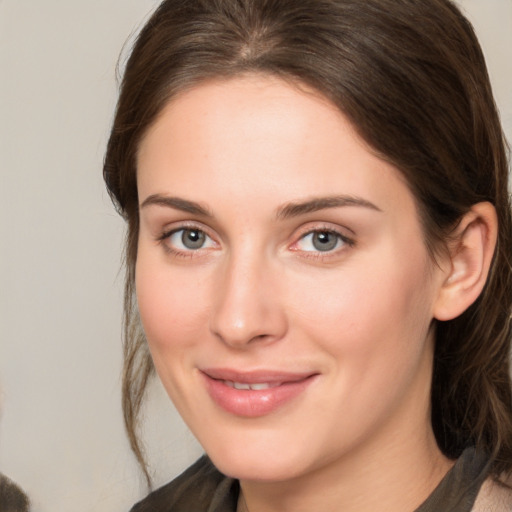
[(467, 266)]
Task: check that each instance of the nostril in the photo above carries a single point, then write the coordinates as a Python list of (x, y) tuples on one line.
[(259, 337), (240, 339)]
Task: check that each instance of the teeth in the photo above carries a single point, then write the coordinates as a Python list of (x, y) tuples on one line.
[(260, 386), (238, 385), (255, 387)]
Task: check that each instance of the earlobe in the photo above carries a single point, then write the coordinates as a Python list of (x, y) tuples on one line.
[(470, 256)]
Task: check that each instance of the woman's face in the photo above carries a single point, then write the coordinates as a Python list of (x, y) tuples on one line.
[(282, 279)]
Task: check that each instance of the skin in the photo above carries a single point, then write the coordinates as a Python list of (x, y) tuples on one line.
[(260, 295)]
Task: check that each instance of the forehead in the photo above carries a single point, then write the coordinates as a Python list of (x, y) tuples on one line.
[(259, 137), (259, 104)]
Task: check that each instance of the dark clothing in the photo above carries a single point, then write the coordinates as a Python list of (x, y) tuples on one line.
[(458, 490), (201, 488)]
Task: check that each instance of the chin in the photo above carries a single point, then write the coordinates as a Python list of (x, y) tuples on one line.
[(257, 463), (265, 469)]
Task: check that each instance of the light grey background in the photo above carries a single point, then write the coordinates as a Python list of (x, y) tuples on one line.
[(61, 433)]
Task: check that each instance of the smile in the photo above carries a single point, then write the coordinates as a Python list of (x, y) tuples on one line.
[(254, 394), (254, 387)]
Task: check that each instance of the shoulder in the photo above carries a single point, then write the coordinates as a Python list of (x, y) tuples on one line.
[(494, 497), (194, 490)]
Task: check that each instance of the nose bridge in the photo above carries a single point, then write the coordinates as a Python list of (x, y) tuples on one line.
[(245, 305)]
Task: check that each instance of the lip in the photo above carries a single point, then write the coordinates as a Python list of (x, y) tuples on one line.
[(251, 403)]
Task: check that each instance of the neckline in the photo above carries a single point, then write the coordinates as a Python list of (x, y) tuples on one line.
[(458, 489)]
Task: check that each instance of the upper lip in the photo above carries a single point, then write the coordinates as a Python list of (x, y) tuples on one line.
[(255, 376)]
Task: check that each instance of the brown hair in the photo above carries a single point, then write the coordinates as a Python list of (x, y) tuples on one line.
[(411, 77)]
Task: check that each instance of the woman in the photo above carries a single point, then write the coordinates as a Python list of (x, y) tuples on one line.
[(318, 254)]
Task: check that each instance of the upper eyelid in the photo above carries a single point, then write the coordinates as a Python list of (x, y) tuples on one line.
[(333, 231), (312, 227), (346, 239), (164, 240), (343, 231), (171, 228)]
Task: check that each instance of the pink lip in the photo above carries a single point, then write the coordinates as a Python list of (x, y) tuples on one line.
[(254, 402)]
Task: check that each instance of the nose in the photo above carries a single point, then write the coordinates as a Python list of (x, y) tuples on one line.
[(246, 303)]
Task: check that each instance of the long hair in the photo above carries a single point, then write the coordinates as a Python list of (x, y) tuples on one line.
[(411, 78)]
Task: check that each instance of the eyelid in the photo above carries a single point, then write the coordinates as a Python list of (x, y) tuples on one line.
[(300, 234), (174, 228), (311, 228)]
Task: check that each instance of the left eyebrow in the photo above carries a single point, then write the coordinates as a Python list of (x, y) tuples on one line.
[(321, 203), (176, 203)]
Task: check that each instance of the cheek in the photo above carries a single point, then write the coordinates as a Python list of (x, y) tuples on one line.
[(172, 305), (373, 309)]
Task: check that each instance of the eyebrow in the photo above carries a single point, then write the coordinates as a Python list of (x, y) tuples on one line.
[(177, 203), (287, 211), (321, 203)]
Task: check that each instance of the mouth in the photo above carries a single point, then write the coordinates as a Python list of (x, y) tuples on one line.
[(255, 393), (255, 387)]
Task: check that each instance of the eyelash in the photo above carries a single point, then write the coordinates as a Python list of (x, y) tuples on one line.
[(346, 242), (314, 254), (180, 253)]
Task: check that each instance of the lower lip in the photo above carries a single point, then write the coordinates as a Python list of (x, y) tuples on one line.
[(253, 403)]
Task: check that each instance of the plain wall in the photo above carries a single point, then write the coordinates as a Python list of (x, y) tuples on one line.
[(61, 431)]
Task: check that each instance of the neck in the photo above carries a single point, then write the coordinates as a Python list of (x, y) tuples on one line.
[(396, 478)]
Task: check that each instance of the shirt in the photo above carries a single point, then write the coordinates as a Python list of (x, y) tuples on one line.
[(202, 488)]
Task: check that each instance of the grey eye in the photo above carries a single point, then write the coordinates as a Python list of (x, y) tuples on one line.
[(193, 238), (189, 239), (325, 240), (320, 241)]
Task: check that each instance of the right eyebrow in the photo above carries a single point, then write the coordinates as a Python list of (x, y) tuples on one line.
[(323, 203), (177, 203)]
